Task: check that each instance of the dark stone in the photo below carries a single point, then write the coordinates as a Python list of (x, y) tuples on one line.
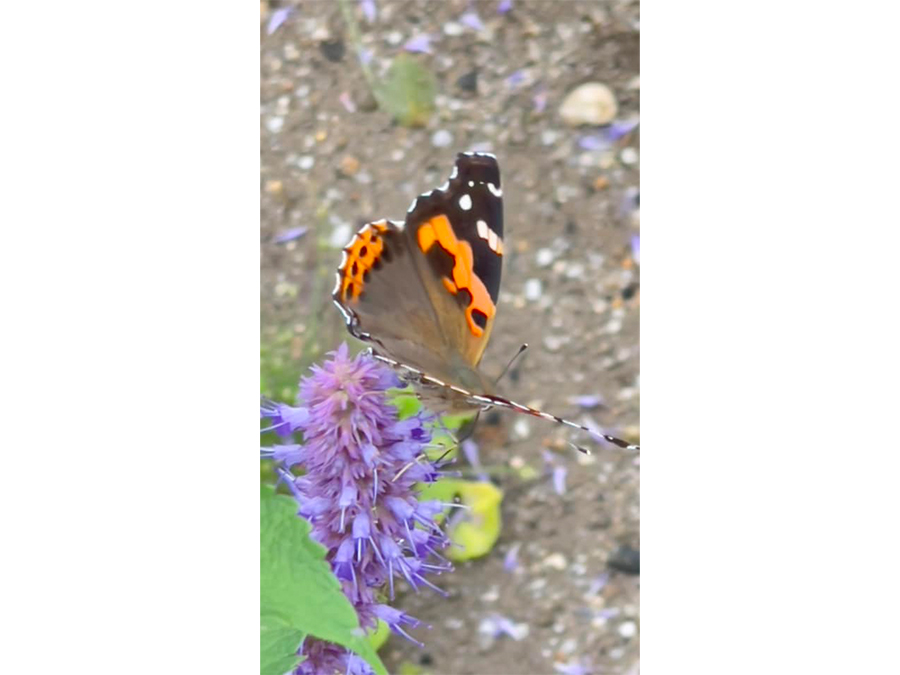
[(625, 559), (333, 50), (468, 82)]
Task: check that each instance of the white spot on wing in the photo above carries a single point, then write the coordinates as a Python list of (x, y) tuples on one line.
[(471, 183), (497, 192), (492, 240), (482, 229), (465, 202)]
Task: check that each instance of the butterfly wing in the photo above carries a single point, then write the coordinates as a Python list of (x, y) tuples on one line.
[(425, 292), (457, 234)]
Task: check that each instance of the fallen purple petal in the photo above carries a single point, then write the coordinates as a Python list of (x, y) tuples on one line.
[(540, 101), (347, 102), (368, 9), (472, 20), (559, 479), (594, 142), (496, 625), (365, 56), (618, 129), (515, 79), (511, 559), (279, 16), (291, 234), (419, 44), (598, 583), (504, 6), (588, 402), (636, 248), (574, 667)]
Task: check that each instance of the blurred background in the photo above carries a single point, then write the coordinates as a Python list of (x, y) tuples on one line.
[(364, 105)]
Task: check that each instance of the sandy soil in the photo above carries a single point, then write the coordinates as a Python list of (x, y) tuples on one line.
[(331, 161)]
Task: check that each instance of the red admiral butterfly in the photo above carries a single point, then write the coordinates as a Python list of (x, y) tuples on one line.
[(424, 293)]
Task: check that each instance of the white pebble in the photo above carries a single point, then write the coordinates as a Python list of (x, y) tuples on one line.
[(441, 138), (274, 124), (533, 289), (627, 629), (452, 28), (521, 429), (629, 156), (306, 162), (544, 257), (592, 103), (556, 561), (340, 235)]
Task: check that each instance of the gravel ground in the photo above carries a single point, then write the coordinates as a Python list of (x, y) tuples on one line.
[(332, 160)]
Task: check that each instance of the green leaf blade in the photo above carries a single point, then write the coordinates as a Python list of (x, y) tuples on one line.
[(299, 594)]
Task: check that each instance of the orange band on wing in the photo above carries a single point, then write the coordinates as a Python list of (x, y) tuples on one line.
[(438, 230), (364, 250)]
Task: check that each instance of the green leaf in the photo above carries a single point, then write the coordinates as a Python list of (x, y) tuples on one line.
[(407, 92), (298, 592)]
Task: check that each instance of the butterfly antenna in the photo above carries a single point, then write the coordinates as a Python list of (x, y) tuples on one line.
[(501, 402), (512, 361)]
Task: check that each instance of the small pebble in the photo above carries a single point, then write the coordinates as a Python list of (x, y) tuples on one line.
[(627, 629), (553, 342), (441, 138), (468, 82), (544, 257), (533, 289), (453, 29), (556, 561), (349, 165), (521, 428), (306, 162), (592, 103), (629, 156), (275, 124), (340, 236), (491, 595), (574, 271)]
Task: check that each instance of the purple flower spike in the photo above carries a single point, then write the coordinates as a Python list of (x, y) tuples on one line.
[(361, 466), (420, 44)]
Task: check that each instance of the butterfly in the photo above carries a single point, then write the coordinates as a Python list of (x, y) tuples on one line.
[(423, 293)]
